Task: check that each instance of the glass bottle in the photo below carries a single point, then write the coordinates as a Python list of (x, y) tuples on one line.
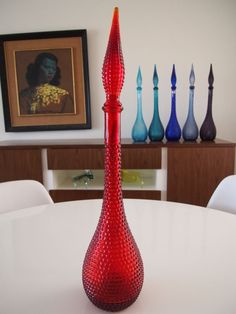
[(139, 130), (208, 129), (113, 268), (173, 130), (156, 130), (190, 129)]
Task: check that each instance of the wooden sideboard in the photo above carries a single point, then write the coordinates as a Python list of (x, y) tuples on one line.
[(193, 169)]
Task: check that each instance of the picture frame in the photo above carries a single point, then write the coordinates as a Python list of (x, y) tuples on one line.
[(45, 81)]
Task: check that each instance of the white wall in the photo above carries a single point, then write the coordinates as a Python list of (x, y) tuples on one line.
[(152, 31)]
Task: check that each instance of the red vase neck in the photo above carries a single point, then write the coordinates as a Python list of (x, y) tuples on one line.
[(113, 78)]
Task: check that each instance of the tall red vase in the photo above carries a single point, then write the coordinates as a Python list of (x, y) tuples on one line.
[(113, 268)]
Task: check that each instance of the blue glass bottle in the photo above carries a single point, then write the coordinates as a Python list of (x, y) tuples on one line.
[(156, 130), (208, 129), (173, 130), (139, 130), (190, 129)]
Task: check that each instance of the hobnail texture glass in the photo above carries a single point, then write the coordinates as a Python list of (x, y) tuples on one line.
[(113, 268)]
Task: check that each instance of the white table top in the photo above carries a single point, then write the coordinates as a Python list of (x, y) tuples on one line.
[(189, 256)]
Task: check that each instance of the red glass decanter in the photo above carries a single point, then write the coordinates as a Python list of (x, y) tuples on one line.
[(113, 268)]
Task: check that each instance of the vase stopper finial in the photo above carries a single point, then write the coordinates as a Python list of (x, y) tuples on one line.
[(173, 78), (113, 71)]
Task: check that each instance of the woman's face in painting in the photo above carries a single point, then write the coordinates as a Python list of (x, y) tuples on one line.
[(47, 71)]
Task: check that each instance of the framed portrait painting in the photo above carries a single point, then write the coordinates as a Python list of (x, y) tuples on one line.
[(45, 81)]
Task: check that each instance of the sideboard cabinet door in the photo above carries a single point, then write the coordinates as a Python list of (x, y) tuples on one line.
[(75, 158), (20, 164), (194, 173)]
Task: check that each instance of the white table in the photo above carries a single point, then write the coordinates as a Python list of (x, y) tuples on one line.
[(189, 256)]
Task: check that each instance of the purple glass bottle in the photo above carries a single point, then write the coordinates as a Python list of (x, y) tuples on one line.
[(208, 129)]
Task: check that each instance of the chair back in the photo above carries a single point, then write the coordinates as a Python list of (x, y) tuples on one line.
[(224, 196), (22, 194)]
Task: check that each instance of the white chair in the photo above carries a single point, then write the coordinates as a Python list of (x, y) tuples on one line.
[(22, 194), (224, 196)]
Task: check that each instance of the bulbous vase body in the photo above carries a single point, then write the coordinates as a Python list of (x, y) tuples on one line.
[(156, 129), (208, 129), (139, 130), (190, 129), (173, 130), (113, 268)]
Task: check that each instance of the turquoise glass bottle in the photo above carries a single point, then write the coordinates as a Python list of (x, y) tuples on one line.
[(190, 129), (156, 130), (173, 130), (139, 130)]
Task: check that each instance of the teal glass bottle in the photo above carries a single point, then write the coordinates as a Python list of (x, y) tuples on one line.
[(173, 130), (139, 130), (156, 130), (190, 129)]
